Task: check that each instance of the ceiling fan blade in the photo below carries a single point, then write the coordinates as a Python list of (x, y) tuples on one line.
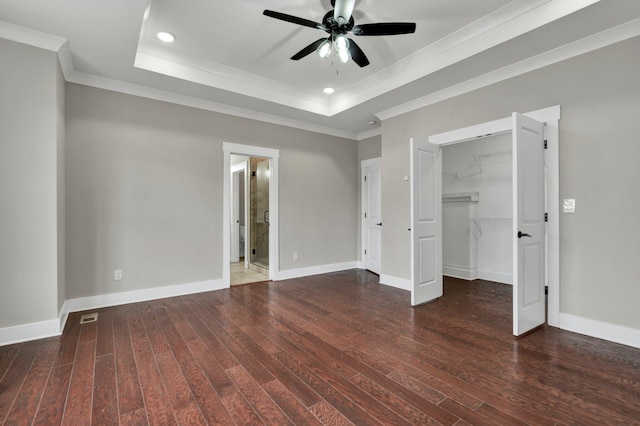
[(343, 10), (357, 55), (309, 49), (385, 28), (293, 19)]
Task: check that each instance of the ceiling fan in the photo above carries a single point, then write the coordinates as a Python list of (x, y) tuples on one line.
[(338, 23)]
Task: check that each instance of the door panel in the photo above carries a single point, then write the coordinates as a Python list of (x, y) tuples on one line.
[(426, 221), (529, 303), (373, 220)]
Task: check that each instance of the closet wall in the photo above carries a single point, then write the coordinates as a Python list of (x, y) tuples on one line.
[(477, 209)]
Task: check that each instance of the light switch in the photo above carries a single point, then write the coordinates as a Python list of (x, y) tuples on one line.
[(569, 205)]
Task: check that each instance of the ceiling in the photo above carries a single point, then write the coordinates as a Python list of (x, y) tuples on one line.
[(229, 57)]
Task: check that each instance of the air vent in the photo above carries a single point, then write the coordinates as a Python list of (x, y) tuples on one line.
[(86, 318)]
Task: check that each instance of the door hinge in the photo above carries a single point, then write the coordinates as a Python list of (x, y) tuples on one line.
[(546, 217), (365, 252), (546, 144), (365, 215), (365, 178)]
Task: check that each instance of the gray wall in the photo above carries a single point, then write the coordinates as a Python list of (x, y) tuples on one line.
[(599, 150), (30, 136), (144, 192)]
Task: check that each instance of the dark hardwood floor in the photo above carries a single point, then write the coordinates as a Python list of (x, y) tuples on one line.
[(332, 349)]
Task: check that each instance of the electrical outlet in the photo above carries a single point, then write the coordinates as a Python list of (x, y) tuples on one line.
[(117, 274), (295, 255)]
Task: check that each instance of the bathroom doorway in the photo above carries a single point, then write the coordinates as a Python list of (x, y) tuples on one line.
[(249, 259)]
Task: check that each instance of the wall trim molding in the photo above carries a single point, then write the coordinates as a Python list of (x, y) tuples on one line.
[(32, 331), (498, 277), (54, 327), (568, 51), (115, 299), (315, 270), (600, 330), (391, 281), (461, 272), (61, 46)]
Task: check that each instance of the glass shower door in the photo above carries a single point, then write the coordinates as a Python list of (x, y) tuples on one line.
[(260, 212)]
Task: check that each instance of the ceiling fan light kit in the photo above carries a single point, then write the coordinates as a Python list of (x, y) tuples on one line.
[(338, 23)]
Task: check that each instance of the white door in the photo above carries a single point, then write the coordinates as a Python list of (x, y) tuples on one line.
[(372, 211), (426, 221), (528, 224)]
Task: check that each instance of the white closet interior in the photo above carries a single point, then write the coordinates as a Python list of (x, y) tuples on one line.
[(477, 209)]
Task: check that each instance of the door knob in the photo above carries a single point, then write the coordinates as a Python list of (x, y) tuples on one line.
[(520, 235), (379, 224)]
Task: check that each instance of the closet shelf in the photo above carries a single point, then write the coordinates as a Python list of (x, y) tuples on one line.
[(462, 197)]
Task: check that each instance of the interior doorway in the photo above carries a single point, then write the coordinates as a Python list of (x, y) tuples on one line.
[(477, 215), (250, 214), (534, 173), (249, 238), (371, 214), (249, 219)]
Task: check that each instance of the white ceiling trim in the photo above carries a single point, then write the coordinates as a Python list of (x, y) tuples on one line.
[(59, 45), (603, 39), (504, 24), (496, 28), (369, 133), (227, 78), (30, 37), (199, 70), (161, 95)]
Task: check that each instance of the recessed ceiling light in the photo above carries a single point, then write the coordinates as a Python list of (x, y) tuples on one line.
[(166, 37), (328, 90), (372, 123)]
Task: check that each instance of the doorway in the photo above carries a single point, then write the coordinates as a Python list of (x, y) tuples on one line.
[(477, 209), (371, 214), (249, 234), (251, 251), (530, 231)]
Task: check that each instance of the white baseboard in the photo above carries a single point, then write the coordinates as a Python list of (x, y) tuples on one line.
[(461, 272), (315, 270), (54, 327), (497, 277), (32, 331), (391, 281), (601, 330), (113, 299)]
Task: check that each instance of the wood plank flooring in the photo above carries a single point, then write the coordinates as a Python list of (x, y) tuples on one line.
[(334, 349)]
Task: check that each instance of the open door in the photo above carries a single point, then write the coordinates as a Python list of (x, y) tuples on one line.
[(528, 224), (426, 222)]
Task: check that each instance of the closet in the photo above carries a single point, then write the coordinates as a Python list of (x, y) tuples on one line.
[(477, 209)]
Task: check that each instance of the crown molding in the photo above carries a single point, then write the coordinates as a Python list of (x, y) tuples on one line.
[(30, 37), (369, 133), (61, 46), (219, 76), (161, 95), (588, 44), (508, 22)]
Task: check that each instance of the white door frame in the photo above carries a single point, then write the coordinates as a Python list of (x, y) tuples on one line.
[(551, 117), (363, 205), (273, 155), (235, 206)]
